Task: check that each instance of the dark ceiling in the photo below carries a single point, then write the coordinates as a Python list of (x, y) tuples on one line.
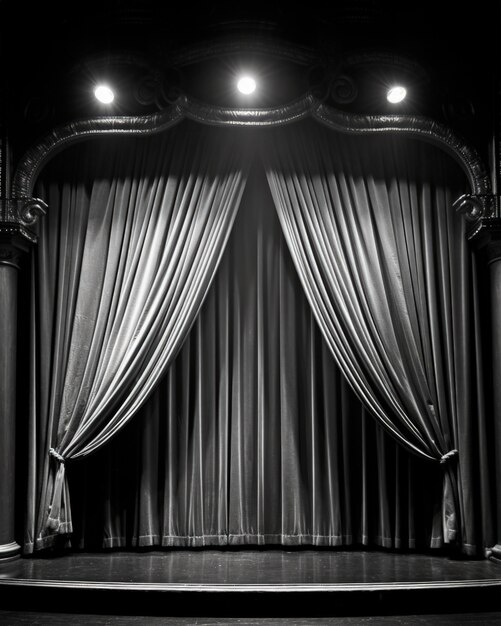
[(346, 51)]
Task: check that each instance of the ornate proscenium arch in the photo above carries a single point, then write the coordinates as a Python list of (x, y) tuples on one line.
[(308, 106)]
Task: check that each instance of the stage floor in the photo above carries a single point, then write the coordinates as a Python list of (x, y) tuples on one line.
[(245, 570), (229, 582)]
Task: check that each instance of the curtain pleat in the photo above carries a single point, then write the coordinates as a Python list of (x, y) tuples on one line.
[(253, 437), (383, 260), (126, 256)]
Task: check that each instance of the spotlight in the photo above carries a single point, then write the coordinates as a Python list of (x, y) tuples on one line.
[(396, 94), (246, 85), (104, 94)]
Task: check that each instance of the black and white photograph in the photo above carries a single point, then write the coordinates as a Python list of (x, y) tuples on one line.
[(250, 313)]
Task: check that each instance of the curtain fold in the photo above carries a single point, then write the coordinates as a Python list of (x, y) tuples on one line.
[(253, 437), (126, 256), (384, 263)]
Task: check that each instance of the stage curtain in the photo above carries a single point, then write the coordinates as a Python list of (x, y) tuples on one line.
[(385, 265), (253, 437), (134, 234)]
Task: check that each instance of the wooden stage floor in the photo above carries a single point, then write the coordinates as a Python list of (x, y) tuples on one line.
[(252, 582)]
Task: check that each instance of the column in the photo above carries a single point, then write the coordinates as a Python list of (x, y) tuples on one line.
[(9, 265), (488, 240), (17, 216)]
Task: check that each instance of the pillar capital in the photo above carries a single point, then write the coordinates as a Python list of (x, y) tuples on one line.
[(477, 209), (18, 217), (487, 239)]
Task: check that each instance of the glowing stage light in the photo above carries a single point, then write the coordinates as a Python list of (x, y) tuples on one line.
[(396, 94), (104, 94), (246, 85)]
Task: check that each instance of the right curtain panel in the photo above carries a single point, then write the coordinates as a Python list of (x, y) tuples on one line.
[(387, 270)]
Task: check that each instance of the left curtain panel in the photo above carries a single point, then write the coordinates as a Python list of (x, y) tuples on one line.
[(133, 237)]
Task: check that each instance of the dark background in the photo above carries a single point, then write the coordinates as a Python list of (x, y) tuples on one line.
[(447, 53)]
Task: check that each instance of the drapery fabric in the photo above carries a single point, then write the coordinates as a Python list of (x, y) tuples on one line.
[(402, 191), (126, 256), (384, 264), (253, 437)]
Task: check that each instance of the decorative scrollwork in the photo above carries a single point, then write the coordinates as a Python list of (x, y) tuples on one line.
[(476, 208), (31, 210), (19, 215), (307, 106), (62, 136), (412, 126), (343, 89), (147, 89)]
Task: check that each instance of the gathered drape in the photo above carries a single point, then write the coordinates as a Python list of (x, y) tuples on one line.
[(127, 253), (384, 264), (253, 437)]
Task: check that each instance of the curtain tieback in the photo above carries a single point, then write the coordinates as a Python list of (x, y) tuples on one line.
[(60, 458), (445, 458)]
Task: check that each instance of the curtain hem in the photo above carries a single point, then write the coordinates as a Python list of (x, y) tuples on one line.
[(195, 541)]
